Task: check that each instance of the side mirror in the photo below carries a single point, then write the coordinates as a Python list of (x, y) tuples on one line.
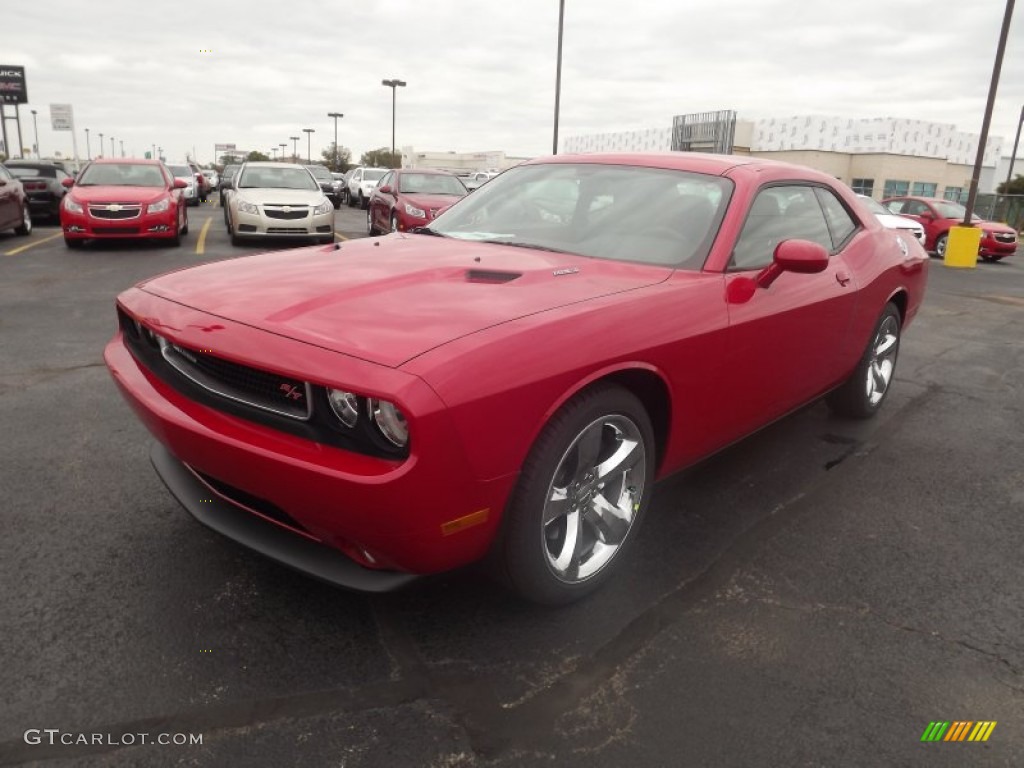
[(179, 184), (385, 190), (925, 215), (67, 183), (799, 256)]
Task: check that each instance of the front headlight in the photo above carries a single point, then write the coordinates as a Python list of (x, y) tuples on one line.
[(345, 406), (986, 233), (71, 206), (389, 420), (244, 207), (159, 207), (324, 207), (412, 210)]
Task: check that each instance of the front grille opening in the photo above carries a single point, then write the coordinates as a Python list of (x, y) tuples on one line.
[(252, 503)]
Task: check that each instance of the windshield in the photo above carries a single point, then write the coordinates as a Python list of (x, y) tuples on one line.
[(182, 171), (277, 178), (647, 215), (320, 173), (431, 184), (374, 174), (28, 172), (121, 175), (953, 211)]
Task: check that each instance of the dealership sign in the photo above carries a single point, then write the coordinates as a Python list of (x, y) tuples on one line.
[(62, 117), (224, 147), (12, 85)]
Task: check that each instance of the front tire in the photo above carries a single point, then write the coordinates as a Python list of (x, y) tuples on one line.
[(394, 221), (863, 393), (370, 229), (583, 491), (940, 245), (25, 228)]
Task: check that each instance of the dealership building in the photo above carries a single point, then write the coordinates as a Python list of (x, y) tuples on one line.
[(880, 156)]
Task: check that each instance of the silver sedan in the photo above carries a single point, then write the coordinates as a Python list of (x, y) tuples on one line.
[(274, 200)]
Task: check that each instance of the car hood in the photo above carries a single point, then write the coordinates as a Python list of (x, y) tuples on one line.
[(119, 194), (277, 196), (439, 202), (390, 299)]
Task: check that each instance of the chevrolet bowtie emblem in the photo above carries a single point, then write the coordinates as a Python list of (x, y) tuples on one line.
[(286, 208), (114, 207)]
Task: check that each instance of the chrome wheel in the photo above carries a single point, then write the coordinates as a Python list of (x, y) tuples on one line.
[(26, 222), (394, 222), (593, 498), (369, 222), (940, 247), (883, 360)]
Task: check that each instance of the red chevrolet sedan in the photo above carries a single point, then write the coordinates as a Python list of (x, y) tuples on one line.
[(509, 382), (117, 199), (938, 216), (403, 200)]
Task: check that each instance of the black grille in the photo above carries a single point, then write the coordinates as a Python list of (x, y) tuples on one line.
[(124, 213), (1005, 237), (270, 391), (286, 230), (292, 214), (115, 230)]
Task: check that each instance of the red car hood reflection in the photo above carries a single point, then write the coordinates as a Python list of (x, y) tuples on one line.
[(117, 194), (391, 299)]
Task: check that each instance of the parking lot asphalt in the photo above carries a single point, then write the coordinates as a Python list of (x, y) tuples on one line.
[(813, 596)]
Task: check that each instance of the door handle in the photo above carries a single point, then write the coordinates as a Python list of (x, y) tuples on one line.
[(843, 277)]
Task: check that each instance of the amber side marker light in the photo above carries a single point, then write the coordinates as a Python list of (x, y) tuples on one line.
[(466, 521)]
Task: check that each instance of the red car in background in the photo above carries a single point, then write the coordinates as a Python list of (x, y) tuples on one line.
[(117, 199), (14, 206), (411, 198), (510, 381), (937, 216)]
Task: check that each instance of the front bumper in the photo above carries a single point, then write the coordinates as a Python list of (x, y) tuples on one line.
[(391, 515), (262, 225), (992, 247), (82, 226)]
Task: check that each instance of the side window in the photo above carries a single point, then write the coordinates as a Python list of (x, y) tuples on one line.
[(896, 206), (388, 179), (4, 174), (915, 208), (840, 223), (777, 214)]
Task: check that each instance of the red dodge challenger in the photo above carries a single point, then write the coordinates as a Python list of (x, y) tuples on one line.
[(510, 381)]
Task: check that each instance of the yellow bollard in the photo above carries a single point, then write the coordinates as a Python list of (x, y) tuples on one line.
[(962, 247)]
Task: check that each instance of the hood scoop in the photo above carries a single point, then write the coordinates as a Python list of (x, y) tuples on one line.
[(491, 276)]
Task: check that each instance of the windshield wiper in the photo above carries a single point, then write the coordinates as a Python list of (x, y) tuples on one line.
[(426, 231), (531, 246)]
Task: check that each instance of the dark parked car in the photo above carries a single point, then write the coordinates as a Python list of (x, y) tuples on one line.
[(14, 207), (43, 186), (224, 182), (327, 183)]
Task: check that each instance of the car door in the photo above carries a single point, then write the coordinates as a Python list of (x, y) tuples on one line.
[(787, 342), (388, 200), (10, 213), (923, 214)]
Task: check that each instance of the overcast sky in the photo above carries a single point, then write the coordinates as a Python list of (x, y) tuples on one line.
[(481, 73)]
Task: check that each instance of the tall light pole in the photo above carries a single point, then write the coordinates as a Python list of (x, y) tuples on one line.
[(309, 143), (1013, 155), (121, 141), (558, 74), (393, 85), (282, 146), (972, 196), (35, 128), (101, 145), (273, 153), (154, 153), (295, 148), (112, 152), (88, 148), (335, 115)]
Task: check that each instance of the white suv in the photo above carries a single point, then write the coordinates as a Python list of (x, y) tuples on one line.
[(361, 182)]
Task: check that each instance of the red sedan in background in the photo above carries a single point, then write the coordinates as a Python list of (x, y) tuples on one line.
[(14, 206), (510, 381), (117, 199), (411, 198), (937, 217)]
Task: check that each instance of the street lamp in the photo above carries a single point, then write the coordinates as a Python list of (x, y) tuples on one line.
[(160, 153), (393, 85), (273, 152), (309, 143), (121, 141), (295, 148), (112, 152), (35, 127), (282, 146), (88, 149), (101, 145), (558, 75), (335, 115)]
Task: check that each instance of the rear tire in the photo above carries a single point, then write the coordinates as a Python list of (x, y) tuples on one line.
[(25, 228), (862, 395)]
